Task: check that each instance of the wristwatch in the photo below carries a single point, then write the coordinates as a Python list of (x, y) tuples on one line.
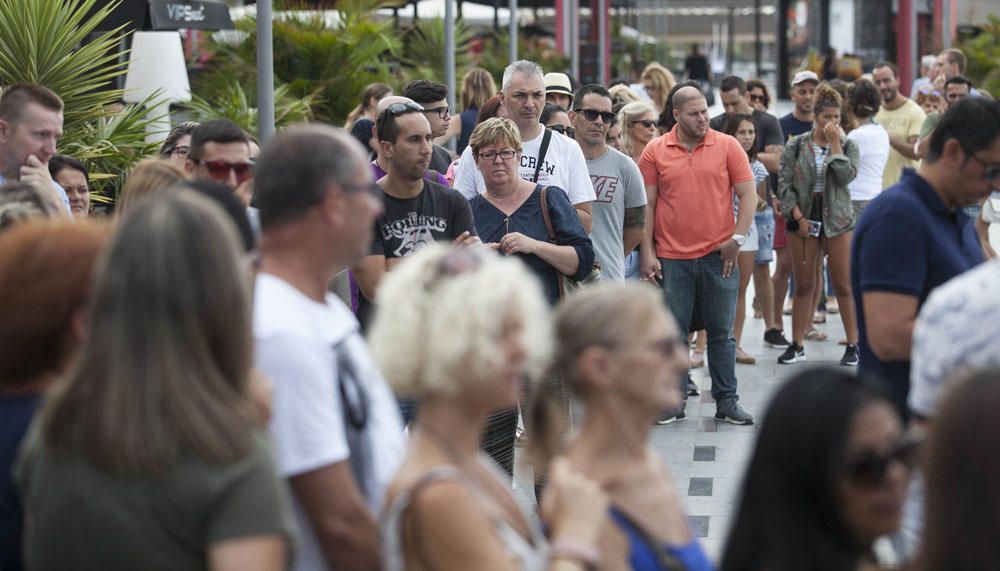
[(740, 239)]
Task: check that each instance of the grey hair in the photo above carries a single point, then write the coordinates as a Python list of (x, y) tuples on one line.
[(524, 67)]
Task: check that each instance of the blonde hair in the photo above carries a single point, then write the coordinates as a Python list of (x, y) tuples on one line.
[(495, 130), (607, 315), (477, 87), (664, 81), (163, 370), (621, 93), (149, 177), (440, 319), (629, 113)]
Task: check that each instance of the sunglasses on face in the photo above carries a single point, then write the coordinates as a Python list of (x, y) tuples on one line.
[(442, 112), (869, 468), (758, 98), (647, 123), (592, 115), (219, 170), (568, 131)]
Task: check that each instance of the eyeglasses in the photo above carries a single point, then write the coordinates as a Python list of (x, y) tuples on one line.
[(491, 156), (442, 112), (568, 131), (181, 151), (592, 115), (869, 468), (219, 170), (647, 123), (992, 172)]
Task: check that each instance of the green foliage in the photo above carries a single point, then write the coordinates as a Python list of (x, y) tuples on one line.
[(328, 60), (423, 50), (496, 50), (983, 52), (42, 42), (233, 103)]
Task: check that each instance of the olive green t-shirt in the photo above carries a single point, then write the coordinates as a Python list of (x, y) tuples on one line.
[(78, 517), (930, 123)]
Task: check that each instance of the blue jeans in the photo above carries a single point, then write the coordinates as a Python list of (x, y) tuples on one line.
[(632, 266), (698, 283)]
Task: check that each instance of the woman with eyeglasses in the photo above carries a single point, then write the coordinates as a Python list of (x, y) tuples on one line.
[(555, 117), (828, 477), (459, 329), (149, 453), (619, 352)]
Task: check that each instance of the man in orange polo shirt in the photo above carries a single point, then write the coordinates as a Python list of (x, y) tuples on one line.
[(692, 174)]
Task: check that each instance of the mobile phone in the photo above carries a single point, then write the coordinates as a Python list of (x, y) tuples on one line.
[(814, 228)]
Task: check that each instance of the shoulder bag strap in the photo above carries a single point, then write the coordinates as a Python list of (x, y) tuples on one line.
[(552, 235), (541, 154), (667, 561)]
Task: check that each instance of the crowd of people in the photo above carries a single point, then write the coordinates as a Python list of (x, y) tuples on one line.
[(322, 352)]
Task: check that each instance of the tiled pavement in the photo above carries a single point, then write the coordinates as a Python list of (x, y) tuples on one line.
[(707, 458)]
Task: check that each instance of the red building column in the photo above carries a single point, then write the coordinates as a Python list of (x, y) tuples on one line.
[(904, 42)]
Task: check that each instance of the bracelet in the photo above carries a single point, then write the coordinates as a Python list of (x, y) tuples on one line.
[(575, 551)]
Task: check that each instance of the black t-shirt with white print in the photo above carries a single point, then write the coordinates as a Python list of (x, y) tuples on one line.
[(409, 224)]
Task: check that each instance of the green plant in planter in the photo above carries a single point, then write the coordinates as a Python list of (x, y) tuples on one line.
[(983, 53), (43, 42), (330, 59)]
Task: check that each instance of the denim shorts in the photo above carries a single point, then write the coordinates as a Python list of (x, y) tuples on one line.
[(764, 221)]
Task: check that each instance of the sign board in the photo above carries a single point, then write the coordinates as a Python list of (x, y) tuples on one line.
[(189, 14)]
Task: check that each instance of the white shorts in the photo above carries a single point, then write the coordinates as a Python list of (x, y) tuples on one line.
[(752, 243)]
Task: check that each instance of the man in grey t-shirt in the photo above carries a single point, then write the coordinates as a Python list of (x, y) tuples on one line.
[(619, 211)]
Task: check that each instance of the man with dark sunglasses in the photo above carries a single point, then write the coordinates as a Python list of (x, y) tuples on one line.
[(914, 237), (619, 211)]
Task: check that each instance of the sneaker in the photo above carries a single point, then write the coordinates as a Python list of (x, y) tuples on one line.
[(692, 388), (671, 418), (850, 358), (732, 412), (793, 354), (775, 339)]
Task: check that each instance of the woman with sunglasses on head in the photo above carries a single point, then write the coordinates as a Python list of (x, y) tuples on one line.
[(459, 329), (816, 169), (619, 352), (827, 478), (150, 453)]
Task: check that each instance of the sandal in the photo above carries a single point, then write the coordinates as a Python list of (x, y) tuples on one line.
[(697, 359), (819, 317), (815, 335), (744, 358)]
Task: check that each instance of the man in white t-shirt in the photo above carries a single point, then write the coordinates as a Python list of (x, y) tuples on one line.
[(523, 95), (337, 433)]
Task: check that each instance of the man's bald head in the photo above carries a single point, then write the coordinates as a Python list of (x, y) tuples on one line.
[(295, 170), (685, 95)]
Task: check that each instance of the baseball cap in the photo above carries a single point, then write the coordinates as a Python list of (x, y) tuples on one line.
[(558, 83), (804, 76)]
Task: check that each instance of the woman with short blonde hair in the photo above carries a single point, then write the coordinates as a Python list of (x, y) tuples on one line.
[(459, 329)]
